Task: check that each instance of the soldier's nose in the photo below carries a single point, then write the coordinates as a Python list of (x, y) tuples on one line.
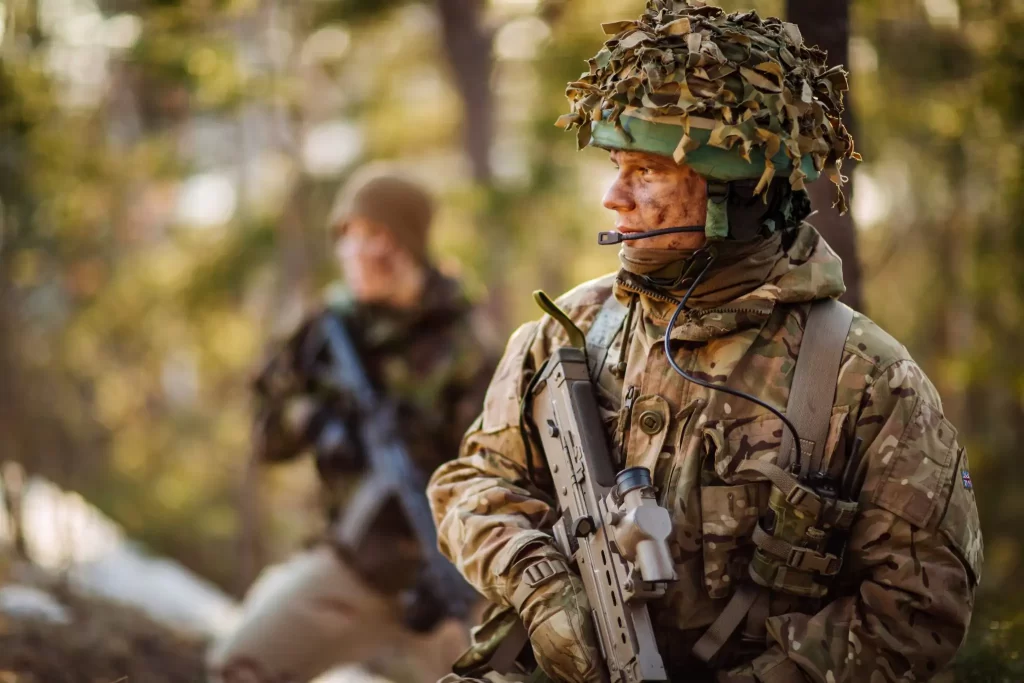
[(618, 197)]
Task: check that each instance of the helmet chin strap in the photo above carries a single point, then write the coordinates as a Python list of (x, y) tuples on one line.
[(616, 237)]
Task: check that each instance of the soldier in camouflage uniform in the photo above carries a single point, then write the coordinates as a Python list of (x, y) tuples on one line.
[(694, 105), (335, 605)]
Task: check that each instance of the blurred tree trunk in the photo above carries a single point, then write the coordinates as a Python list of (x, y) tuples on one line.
[(295, 250), (827, 25), (551, 10), (467, 45)]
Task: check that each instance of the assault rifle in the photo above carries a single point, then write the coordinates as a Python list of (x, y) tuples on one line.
[(391, 477), (611, 525)]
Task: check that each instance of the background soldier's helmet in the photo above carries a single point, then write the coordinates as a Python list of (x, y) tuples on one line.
[(732, 96)]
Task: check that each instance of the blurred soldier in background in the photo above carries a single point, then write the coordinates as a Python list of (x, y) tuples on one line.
[(333, 605)]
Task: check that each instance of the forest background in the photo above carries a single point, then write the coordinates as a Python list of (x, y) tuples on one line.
[(166, 168)]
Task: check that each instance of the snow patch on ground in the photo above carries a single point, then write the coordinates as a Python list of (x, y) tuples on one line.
[(28, 602)]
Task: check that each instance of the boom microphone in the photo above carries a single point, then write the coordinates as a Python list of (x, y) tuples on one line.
[(615, 237)]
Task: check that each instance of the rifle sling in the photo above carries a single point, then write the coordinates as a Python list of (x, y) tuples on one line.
[(810, 410), (723, 627)]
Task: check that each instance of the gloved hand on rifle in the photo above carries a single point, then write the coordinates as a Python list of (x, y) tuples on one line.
[(551, 601)]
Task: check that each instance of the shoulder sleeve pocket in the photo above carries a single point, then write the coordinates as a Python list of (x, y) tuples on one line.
[(918, 472)]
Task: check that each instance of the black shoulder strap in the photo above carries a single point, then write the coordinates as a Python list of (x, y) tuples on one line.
[(814, 383)]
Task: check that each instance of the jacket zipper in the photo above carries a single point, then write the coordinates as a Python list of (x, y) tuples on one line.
[(657, 296), (664, 298)]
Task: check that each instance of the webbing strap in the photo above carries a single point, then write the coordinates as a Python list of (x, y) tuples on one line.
[(786, 671), (720, 631), (602, 332), (803, 559), (757, 618), (814, 383), (535, 576), (810, 410), (779, 478), (503, 661)]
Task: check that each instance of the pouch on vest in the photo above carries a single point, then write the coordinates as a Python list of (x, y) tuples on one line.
[(800, 541)]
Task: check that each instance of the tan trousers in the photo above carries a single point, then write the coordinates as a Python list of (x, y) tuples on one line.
[(314, 613)]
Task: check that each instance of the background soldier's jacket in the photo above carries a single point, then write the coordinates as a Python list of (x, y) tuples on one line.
[(902, 603), (429, 361)]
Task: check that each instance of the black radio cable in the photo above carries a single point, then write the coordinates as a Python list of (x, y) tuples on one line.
[(719, 387)]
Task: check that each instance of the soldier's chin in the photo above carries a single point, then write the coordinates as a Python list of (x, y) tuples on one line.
[(658, 242), (676, 242)]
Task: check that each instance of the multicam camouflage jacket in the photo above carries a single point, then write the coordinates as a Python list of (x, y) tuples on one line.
[(901, 605), (429, 361)]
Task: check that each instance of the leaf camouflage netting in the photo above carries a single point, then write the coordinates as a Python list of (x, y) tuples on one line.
[(752, 82)]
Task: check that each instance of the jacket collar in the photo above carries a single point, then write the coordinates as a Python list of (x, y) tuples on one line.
[(742, 292)]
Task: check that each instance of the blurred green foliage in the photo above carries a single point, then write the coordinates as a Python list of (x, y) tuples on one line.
[(130, 321)]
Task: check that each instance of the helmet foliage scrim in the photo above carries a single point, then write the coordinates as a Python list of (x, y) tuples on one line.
[(732, 96)]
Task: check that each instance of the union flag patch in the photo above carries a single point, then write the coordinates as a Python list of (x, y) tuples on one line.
[(968, 484)]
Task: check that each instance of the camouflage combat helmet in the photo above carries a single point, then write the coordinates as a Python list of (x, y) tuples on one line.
[(733, 96)]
